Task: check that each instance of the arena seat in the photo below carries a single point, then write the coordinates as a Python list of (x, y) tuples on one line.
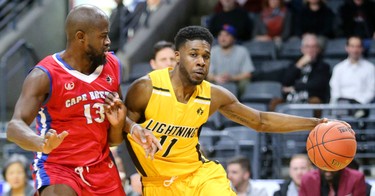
[(261, 91)]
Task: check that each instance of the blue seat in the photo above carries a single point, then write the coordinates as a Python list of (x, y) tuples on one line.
[(262, 91), (261, 50), (291, 49), (335, 48)]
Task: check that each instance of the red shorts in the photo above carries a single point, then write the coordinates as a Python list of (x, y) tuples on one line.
[(100, 179)]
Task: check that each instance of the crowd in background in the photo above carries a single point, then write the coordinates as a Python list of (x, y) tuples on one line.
[(234, 22)]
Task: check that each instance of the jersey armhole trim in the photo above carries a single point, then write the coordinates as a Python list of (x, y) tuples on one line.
[(50, 82)]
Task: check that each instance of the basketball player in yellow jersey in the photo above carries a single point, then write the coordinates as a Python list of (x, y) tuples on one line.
[(174, 104)]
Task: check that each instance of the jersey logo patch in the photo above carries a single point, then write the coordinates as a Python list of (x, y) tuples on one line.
[(109, 79), (69, 86), (200, 111)]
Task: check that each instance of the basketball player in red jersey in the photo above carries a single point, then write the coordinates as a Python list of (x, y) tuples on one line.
[(66, 94)]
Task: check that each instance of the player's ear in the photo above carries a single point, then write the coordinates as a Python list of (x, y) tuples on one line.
[(80, 35), (152, 63), (177, 54), (247, 175)]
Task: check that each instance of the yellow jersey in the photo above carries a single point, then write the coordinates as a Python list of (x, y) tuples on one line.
[(177, 126)]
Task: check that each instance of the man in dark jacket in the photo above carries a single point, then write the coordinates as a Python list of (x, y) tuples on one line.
[(309, 76), (344, 182), (358, 18)]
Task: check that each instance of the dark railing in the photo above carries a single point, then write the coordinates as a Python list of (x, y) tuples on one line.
[(10, 10), (28, 53)]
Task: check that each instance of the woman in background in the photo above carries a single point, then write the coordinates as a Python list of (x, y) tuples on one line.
[(15, 174), (274, 22)]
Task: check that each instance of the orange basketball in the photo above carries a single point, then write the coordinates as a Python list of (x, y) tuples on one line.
[(331, 146)]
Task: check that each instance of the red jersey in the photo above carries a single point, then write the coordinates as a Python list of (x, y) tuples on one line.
[(75, 104)]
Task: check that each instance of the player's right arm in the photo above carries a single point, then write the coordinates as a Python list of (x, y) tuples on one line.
[(231, 108), (35, 90), (136, 101)]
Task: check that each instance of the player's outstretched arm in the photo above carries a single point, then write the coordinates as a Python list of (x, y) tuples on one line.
[(115, 111), (34, 91), (231, 108), (136, 102)]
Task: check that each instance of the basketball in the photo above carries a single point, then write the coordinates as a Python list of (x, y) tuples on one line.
[(331, 146)]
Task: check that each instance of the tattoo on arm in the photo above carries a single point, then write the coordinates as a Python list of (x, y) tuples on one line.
[(237, 118)]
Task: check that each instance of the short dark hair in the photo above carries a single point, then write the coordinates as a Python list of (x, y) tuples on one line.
[(191, 33), (161, 45), (243, 161)]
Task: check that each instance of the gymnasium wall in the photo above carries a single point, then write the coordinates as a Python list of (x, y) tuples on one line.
[(43, 29)]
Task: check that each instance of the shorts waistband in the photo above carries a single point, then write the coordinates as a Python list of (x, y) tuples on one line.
[(165, 181)]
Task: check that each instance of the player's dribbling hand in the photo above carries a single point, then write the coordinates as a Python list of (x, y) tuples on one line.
[(334, 120), (115, 110), (146, 139), (52, 140)]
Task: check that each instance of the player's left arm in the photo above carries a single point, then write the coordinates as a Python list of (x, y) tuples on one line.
[(231, 108), (116, 114)]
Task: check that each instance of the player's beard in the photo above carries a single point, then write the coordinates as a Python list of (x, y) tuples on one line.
[(96, 58), (185, 73)]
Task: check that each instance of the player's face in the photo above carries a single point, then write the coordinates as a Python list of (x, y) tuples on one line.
[(225, 39), (98, 43), (194, 61), (164, 58), (297, 168), (237, 175), (354, 48), (15, 175)]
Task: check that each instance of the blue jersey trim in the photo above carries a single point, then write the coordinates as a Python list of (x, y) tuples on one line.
[(50, 82), (63, 62)]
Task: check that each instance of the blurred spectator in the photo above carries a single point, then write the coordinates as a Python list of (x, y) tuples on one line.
[(118, 30), (252, 6), (230, 62), (358, 18), (15, 173), (353, 79), (234, 16), (141, 14), (355, 165), (239, 174), (164, 55), (134, 184), (306, 80), (343, 182), (295, 6), (315, 17), (299, 165), (119, 164), (274, 22)]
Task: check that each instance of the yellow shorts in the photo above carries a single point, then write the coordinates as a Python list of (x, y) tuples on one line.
[(209, 179)]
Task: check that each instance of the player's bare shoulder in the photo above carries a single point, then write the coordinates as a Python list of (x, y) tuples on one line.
[(221, 96), (37, 80), (139, 91), (142, 83)]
